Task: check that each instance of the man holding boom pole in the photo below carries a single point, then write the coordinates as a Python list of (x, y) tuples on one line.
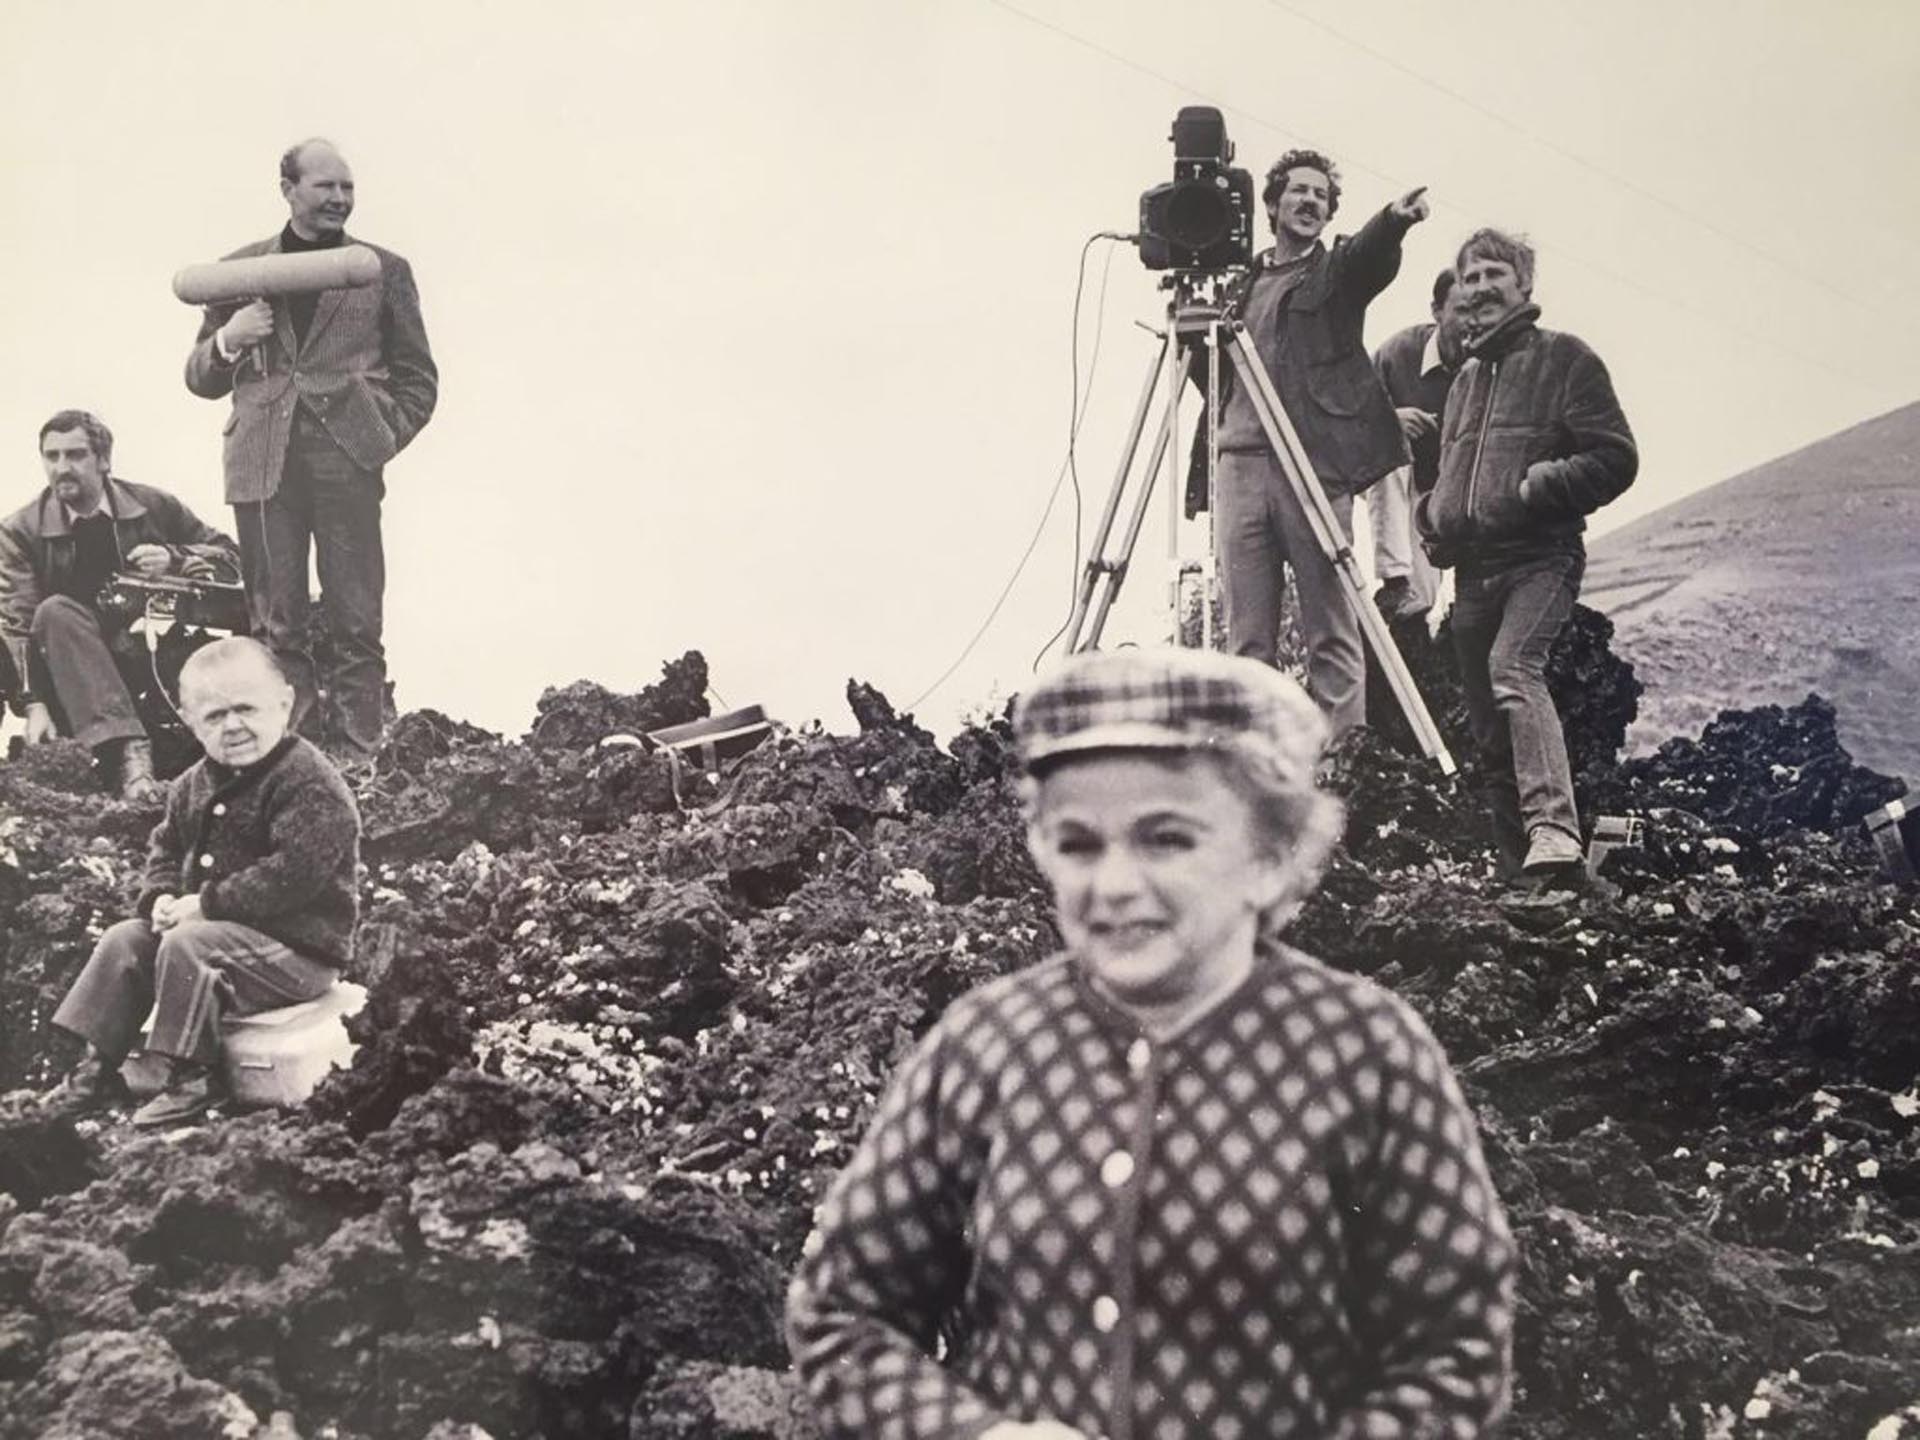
[(327, 386)]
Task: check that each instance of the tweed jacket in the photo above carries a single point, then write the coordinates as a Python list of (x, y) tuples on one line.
[(1313, 348), (1532, 442), (363, 369), (1274, 1223), (37, 551), (274, 846)]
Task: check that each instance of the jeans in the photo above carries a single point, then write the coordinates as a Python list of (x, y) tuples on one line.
[(188, 977), (326, 499), (1260, 530), (1504, 625)]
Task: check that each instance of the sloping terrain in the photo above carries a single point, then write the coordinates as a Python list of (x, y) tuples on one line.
[(1802, 575), (625, 1025)]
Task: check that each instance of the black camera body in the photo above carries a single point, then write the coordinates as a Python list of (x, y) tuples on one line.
[(1202, 219)]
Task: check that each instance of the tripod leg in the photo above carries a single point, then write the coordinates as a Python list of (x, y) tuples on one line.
[(1117, 570), (1096, 564), (1210, 567), (1329, 535)]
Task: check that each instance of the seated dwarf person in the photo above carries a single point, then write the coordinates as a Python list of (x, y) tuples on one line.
[(248, 900), (56, 554)]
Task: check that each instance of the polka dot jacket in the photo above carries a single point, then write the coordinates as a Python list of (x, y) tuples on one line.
[(1276, 1222)]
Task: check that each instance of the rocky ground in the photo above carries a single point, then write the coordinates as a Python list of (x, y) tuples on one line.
[(625, 1024)]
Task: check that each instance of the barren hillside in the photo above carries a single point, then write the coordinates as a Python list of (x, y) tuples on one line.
[(1800, 575)]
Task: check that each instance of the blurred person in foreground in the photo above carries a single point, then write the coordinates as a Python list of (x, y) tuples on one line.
[(1532, 442), (247, 902), (1180, 1180)]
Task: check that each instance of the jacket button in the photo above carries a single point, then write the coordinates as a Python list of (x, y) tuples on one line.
[(220, 808), (1116, 1169), (206, 862), (1106, 1313)]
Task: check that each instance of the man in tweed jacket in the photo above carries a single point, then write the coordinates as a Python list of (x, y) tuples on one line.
[(248, 899), (326, 390)]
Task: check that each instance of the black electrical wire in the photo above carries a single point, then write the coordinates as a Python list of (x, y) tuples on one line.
[(1068, 468)]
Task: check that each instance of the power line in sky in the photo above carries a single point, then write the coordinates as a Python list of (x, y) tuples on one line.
[(1804, 358), (1546, 142)]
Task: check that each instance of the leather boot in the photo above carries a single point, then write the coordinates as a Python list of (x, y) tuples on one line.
[(136, 782), (93, 1083)]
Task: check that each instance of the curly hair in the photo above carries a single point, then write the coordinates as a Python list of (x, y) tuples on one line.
[(99, 437), (1508, 249), (1301, 160)]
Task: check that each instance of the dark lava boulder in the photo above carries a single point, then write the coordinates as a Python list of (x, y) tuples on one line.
[(626, 1021)]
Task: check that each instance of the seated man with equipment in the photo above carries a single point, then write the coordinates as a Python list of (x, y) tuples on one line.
[(248, 902), (67, 559)]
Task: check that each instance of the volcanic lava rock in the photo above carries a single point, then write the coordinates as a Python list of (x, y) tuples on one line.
[(583, 713), (1761, 772), (121, 1385), (625, 1024)]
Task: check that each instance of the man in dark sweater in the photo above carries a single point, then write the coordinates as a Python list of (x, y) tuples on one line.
[(1304, 306), (56, 553), (1416, 365), (248, 900)]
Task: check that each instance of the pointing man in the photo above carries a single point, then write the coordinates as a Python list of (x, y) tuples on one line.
[(1304, 305), (327, 388)]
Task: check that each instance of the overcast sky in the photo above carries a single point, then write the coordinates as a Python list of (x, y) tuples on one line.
[(753, 318)]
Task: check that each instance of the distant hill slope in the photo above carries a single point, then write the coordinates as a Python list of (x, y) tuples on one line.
[(1801, 574)]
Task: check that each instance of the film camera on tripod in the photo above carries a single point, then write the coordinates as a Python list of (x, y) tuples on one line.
[(1202, 219), (1198, 227)]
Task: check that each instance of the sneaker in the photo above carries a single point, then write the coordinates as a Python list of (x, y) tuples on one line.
[(93, 1084), (188, 1096), (1550, 850)]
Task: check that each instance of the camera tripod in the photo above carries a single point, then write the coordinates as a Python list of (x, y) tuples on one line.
[(1197, 327)]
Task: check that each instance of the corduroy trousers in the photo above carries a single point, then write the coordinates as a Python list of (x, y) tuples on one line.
[(188, 978)]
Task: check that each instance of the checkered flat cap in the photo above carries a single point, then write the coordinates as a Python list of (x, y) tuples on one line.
[(1164, 698)]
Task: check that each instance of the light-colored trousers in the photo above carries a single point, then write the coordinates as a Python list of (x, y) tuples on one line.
[(1396, 548)]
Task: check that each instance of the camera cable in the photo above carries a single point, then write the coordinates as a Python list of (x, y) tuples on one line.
[(1068, 469)]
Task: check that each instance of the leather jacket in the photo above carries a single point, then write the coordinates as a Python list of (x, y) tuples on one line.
[(1531, 443)]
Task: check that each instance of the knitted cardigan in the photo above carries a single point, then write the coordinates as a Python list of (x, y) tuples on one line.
[(274, 846), (1274, 1223)]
